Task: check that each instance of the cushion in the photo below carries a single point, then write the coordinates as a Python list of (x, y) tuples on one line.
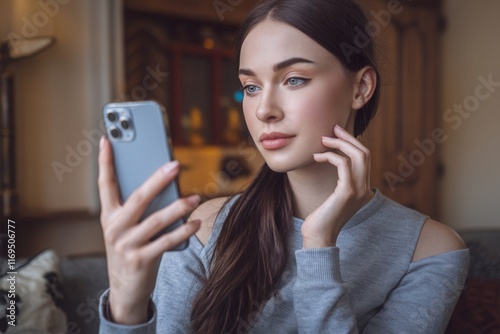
[(84, 280), (484, 261), (35, 292), (478, 309)]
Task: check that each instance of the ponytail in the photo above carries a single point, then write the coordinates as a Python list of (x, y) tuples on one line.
[(249, 257)]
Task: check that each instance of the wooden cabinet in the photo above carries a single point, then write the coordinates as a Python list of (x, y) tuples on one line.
[(187, 66), (404, 136), (228, 12)]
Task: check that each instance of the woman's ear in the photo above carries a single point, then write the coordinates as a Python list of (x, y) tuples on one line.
[(364, 86)]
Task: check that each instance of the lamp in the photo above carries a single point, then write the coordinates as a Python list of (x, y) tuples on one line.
[(11, 51)]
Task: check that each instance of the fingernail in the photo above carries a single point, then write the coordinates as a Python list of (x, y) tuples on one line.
[(101, 142), (170, 166), (194, 200), (338, 127)]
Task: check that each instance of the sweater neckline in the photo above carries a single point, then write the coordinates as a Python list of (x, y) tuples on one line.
[(364, 213)]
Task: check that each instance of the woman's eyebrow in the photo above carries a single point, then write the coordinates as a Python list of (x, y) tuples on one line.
[(289, 62), (279, 66), (246, 71)]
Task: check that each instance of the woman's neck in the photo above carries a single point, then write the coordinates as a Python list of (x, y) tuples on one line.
[(311, 186)]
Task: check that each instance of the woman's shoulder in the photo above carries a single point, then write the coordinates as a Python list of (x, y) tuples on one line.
[(436, 238), (207, 213), (430, 236)]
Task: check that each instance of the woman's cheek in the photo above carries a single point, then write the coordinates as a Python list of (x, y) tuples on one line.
[(249, 115), (247, 111), (312, 110), (333, 106)]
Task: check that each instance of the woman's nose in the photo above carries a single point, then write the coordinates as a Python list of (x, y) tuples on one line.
[(268, 109)]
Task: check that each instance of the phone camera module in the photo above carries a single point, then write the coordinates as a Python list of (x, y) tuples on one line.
[(126, 124), (115, 133), (112, 116)]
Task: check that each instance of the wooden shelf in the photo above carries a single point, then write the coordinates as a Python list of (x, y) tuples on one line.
[(200, 10)]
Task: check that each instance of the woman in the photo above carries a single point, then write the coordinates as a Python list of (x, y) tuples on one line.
[(309, 247)]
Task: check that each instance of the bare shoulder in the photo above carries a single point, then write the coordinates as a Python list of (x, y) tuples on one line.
[(436, 238), (207, 212)]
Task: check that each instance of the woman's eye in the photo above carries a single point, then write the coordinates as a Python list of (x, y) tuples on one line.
[(296, 82), (251, 89)]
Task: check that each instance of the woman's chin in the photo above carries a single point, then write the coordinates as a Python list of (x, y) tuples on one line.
[(288, 166), (278, 169)]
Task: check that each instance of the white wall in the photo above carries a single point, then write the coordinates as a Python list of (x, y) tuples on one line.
[(59, 94), (470, 189)]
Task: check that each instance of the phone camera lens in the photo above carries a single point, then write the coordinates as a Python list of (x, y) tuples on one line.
[(125, 123), (112, 117), (115, 133)]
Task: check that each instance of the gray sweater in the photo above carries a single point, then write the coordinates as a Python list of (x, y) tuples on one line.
[(367, 284)]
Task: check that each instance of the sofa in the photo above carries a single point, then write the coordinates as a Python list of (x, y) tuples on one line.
[(75, 292), (478, 308), (84, 280), (46, 294)]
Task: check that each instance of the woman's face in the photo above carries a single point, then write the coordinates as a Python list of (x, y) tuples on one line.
[(295, 93)]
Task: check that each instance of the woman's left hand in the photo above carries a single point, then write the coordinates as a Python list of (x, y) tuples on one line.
[(322, 227)]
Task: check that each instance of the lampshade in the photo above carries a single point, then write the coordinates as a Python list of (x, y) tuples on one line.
[(16, 49)]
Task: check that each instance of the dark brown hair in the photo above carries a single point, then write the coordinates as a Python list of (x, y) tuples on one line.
[(251, 251)]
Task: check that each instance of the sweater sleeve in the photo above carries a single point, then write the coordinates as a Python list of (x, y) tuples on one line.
[(320, 297), (106, 326), (422, 301), (178, 280)]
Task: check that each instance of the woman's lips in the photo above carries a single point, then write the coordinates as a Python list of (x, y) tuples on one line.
[(275, 140)]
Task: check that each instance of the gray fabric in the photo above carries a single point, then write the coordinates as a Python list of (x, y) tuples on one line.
[(84, 280), (366, 284), (485, 261), (489, 238)]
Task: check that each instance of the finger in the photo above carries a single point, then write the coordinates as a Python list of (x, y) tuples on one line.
[(359, 159), (108, 189), (344, 134), (343, 168), (138, 201), (351, 150), (170, 240), (143, 232)]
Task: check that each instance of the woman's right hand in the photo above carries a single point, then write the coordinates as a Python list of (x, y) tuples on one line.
[(132, 258)]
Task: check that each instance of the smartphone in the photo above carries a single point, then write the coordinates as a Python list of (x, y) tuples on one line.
[(139, 135)]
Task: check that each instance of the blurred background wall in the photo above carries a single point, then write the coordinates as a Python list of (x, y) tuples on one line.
[(469, 190), (60, 93), (58, 96)]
